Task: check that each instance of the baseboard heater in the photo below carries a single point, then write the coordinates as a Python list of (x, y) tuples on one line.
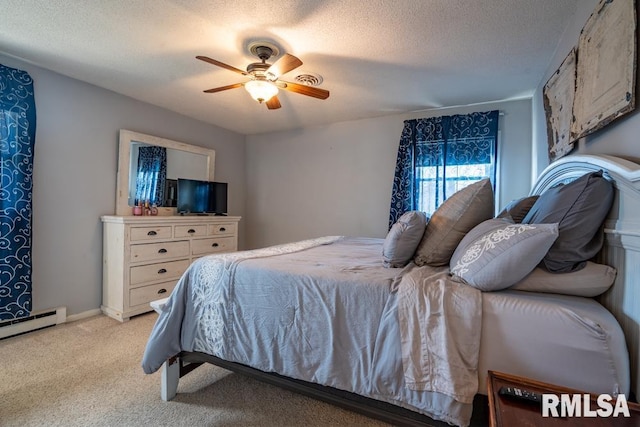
[(39, 320)]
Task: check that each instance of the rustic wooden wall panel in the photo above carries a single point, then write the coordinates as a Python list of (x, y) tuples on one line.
[(558, 97), (605, 71)]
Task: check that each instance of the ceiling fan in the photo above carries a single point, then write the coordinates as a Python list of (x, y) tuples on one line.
[(265, 78)]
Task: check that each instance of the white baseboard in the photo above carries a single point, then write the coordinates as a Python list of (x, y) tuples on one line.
[(34, 321), (84, 315)]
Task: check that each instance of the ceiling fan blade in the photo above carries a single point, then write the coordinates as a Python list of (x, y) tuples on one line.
[(221, 64), (284, 65), (221, 88), (305, 90), (273, 103)]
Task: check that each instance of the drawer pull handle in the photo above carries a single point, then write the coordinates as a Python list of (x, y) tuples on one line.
[(162, 271), (162, 291), (191, 231), (151, 233), (162, 251), (215, 245), (223, 229)]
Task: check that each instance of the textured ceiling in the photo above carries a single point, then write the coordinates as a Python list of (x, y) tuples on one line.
[(377, 57)]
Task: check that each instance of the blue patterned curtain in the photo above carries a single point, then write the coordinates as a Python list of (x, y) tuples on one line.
[(17, 141), (151, 175), (438, 156)]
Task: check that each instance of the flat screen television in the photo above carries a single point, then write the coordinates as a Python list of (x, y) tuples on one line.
[(202, 197)]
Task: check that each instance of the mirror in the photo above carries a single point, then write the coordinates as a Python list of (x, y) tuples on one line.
[(182, 161)]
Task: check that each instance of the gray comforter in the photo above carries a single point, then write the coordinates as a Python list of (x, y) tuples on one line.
[(327, 311)]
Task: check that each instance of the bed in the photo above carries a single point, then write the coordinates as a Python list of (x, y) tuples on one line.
[(326, 317)]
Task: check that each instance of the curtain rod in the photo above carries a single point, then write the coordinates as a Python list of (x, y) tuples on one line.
[(478, 104), (500, 113)]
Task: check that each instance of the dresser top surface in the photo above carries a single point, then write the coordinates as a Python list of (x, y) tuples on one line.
[(168, 219)]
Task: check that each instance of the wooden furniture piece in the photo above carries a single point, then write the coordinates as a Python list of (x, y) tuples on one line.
[(505, 411), (144, 256)]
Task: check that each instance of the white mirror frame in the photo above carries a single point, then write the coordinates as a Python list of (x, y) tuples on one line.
[(124, 158)]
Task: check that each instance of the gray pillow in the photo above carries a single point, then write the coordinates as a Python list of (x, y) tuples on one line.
[(403, 239), (518, 209), (452, 220), (579, 208), (498, 253), (594, 279)]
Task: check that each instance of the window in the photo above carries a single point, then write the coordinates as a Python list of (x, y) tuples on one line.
[(440, 155), (430, 195), (468, 160)]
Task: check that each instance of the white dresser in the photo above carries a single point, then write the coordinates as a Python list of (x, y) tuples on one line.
[(144, 256)]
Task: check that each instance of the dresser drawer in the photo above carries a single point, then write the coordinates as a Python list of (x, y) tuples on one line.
[(159, 271), (223, 229), (150, 233), (190, 231), (213, 245), (159, 251), (146, 294)]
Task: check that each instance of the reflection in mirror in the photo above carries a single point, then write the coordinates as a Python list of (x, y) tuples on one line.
[(149, 167), (150, 176), (154, 172)]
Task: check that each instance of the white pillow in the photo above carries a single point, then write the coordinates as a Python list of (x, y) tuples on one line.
[(592, 280), (498, 253)]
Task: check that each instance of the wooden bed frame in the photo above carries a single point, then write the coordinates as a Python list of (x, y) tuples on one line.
[(185, 362), (622, 251)]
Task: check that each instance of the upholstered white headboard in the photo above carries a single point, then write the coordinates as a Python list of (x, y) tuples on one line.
[(622, 239)]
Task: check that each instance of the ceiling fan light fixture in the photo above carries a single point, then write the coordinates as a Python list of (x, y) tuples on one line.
[(261, 90), (265, 77)]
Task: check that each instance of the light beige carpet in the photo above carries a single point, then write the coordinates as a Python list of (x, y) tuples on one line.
[(87, 373)]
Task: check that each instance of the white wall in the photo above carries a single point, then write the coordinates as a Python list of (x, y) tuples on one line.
[(333, 179), (75, 178), (619, 138), (336, 179)]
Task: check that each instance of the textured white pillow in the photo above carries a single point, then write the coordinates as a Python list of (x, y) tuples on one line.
[(498, 253), (403, 239), (594, 279)]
